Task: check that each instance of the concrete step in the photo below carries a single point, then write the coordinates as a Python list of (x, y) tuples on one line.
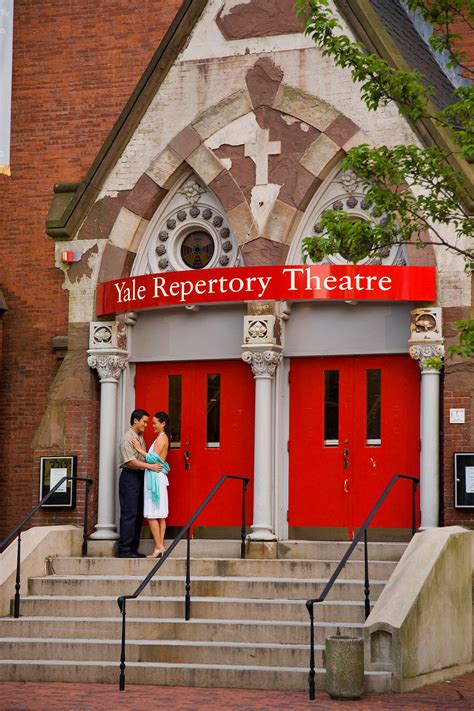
[(286, 568), (342, 611), (283, 632), (169, 651), (163, 674), (312, 550), (204, 586)]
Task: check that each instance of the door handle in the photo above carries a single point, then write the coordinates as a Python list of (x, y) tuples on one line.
[(346, 486), (187, 455), (346, 459)]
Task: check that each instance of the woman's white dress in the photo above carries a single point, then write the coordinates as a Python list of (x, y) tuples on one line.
[(150, 510)]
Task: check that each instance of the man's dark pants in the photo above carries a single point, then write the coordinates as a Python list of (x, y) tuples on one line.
[(131, 509)]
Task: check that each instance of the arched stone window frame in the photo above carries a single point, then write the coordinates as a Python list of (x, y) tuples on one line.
[(189, 206), (340, 191)]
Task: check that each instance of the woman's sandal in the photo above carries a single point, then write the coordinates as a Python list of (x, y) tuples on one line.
[(157, 553)]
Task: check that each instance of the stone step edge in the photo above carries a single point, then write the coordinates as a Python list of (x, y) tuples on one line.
[(198, 559), (204, 578), (157, 642), (170, 665), (180, 621), (194, 598)]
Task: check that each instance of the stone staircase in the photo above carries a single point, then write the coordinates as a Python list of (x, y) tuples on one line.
[(249, 626)]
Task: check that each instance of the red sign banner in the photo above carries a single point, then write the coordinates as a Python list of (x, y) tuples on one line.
[(281, 283)]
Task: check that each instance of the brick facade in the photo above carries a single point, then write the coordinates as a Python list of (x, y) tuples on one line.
[(74, 67)]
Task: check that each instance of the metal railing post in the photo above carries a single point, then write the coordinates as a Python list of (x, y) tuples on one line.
[(16, 604), (362, 531), (86, 510), (366, 576), (243, 531), (122, 605), (312, 670), (18, 529), (187, 597)]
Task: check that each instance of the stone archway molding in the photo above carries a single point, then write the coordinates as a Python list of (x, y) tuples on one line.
[(335, 135)]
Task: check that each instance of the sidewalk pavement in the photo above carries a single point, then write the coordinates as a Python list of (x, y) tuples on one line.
[(32, 696)]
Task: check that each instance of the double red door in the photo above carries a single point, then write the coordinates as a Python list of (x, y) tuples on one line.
[(354, 423), (211, 410)]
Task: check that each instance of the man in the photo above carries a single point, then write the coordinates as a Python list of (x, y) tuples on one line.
[(133, 466)]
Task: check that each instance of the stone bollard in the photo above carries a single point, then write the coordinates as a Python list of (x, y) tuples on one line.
[(345, 667)]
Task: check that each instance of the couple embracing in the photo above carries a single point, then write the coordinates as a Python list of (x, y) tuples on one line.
[(143, 484)]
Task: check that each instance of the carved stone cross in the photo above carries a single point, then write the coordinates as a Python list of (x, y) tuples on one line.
[(259, 152)]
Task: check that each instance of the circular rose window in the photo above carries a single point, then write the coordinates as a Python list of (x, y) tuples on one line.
[(197, 249)]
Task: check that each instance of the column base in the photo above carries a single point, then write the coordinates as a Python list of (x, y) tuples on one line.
[(104, 533), (262, 533)]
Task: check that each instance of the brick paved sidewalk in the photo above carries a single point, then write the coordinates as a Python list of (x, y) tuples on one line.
[(32, 696)]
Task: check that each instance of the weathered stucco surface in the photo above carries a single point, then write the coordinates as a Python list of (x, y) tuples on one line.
[(422, 621)]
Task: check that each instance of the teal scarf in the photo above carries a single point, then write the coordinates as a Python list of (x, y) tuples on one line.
[(152, 478)]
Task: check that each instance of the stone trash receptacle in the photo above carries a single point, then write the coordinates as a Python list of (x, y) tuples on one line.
[(345, 667)]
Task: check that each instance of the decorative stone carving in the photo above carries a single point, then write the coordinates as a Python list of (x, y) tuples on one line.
[(349, 181), (192, 190), (426, 339), (260, 329), (430, 356), (263, 363), (351, 202), (191, 229), (108, 365), (103, 334), (425, 325)]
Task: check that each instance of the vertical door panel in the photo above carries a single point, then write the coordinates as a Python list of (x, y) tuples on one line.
[(207, 460), (317, 495), (334, 482), (398, 451)]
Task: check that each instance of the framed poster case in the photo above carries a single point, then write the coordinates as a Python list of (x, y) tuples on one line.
[(52, 470), (464, 480)]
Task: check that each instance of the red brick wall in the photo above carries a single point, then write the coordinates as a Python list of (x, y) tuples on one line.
[(457, 438), (75, 65)]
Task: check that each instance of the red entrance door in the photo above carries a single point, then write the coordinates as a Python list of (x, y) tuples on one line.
[(211, 409), (354, 423)]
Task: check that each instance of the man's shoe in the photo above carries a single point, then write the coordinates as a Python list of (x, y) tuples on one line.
[(139, 555), (125, 554)]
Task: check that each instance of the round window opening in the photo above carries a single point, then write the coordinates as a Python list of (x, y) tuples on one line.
[(197, 249)]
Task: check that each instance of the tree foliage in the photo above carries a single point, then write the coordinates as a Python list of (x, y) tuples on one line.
[(415, 191)]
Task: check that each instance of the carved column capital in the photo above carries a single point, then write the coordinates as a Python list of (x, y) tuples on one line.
[(263, 362), (108, 363), (429, 355)]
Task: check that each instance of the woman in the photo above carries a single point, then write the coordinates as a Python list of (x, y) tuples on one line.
[(155, 507)]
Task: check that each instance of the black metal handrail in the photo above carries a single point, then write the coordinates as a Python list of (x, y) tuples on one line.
[(17, 530), (362, 532), (185, 531)]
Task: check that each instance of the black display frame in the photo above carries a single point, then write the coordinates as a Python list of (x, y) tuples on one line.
[(463, 485), (64, 466)]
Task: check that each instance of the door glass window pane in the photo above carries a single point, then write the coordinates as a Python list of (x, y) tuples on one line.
[(213, 430), (374, 407), (174, 409), (331, 408)]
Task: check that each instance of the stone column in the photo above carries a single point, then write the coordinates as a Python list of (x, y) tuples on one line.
[(109, 364), (263, 352), (426, 346)]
